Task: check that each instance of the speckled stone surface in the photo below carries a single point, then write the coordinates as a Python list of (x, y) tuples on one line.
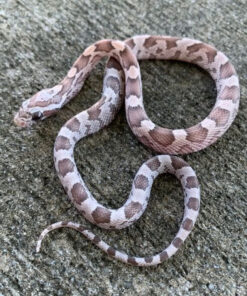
[(39, 40)]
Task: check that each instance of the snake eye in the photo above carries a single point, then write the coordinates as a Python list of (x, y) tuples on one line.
[(37, 115)]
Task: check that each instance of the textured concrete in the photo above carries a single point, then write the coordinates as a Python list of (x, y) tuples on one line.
[(39, 40)]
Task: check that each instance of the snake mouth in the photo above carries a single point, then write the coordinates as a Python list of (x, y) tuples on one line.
[(23, 118)]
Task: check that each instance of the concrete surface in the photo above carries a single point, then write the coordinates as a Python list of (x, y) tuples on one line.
[(38, 43)]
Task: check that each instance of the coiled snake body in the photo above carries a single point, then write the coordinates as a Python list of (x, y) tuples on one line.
[(123, 69)]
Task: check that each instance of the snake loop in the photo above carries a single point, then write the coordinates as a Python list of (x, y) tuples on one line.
[(134, 207), (203, 134), (162, 140)]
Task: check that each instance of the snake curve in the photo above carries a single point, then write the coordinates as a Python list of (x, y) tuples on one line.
[(203, 134), (162, 140), (47, 102), (134, 208)]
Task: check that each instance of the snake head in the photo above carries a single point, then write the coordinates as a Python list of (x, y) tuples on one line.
[(38, 107), (23, 118)]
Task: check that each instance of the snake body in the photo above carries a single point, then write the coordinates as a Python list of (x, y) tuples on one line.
[(123, 76)]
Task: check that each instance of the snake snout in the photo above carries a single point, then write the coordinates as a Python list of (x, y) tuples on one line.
[(23, 118)]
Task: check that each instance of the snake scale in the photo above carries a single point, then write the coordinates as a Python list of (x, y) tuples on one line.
[(123, 79)]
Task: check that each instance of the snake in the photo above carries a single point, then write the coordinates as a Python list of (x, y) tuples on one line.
[(123, 79)]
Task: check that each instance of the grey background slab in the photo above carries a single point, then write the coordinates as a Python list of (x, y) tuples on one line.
[(39, 41)]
